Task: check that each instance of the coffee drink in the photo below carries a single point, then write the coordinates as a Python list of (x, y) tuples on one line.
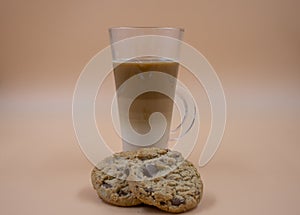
[(147, 103)]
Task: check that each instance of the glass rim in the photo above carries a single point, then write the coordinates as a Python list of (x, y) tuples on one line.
[(145, 28)]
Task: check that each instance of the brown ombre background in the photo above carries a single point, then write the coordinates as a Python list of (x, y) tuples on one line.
[(254, 47)]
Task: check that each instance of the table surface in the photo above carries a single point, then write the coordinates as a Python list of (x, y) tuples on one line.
[(256, 169), (254, 48)]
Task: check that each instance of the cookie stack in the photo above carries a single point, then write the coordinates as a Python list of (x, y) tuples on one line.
[(153, 176)]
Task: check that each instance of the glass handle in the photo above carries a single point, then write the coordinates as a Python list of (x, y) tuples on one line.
[(187, 108)]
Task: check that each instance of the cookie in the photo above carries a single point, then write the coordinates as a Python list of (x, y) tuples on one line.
[(109, 180), (178, 191)]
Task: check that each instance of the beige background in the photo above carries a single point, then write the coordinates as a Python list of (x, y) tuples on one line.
[(254, 47)]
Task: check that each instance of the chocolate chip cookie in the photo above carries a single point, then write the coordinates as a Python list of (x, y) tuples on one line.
[(178, 191)]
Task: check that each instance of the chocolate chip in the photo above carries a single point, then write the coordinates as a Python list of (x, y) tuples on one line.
[(162, 203), (146, 172), (177, 201), (105, 185), (149, 190), (150, 170), (126, 172), (122, 193)]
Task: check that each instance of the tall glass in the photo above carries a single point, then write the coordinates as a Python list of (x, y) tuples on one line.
[(144, 68)]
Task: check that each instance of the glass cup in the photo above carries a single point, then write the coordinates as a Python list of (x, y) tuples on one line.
[(145, 73)]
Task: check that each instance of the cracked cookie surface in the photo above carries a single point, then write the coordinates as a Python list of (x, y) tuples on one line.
[(178, 191), (151, 163)]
